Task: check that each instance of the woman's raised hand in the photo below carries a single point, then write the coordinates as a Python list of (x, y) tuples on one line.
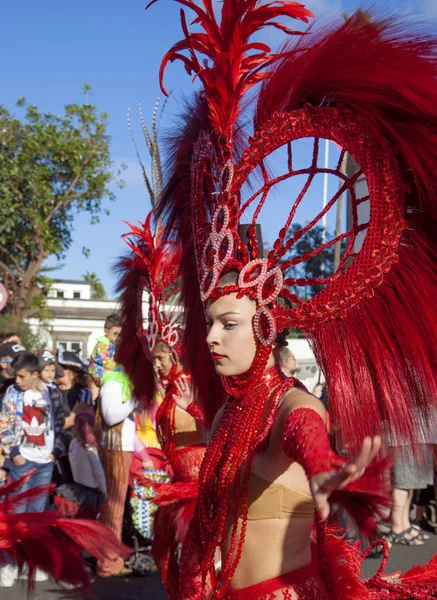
[(184, 395), (323, 484)]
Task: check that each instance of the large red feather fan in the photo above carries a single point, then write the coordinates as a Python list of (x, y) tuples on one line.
[(374, 330)]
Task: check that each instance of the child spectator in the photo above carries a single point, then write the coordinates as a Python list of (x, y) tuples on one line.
[(87, 494), (8, 351), (49, 369), (34, 438), (102, 357)]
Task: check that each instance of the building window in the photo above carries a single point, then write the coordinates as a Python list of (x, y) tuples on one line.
[(76, 347), (59, 293), (76, 295)]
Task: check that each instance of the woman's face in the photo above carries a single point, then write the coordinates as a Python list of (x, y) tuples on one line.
[(162, 362), (66, 381), (230, 336)]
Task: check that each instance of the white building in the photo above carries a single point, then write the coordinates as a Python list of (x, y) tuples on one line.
[(76, 320)]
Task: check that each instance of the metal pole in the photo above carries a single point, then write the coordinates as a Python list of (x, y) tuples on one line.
[(337, 247), (325, 198)]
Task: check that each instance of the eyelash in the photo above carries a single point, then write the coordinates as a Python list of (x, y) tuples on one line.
[(226, 326)]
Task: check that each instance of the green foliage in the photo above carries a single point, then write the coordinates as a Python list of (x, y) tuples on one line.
[(51, 168), (31, 341), (318, 266), (97, 290)]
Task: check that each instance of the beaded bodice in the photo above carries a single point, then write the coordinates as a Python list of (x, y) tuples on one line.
[(225, 472)]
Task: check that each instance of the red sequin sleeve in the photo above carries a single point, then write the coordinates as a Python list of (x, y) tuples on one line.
[(306, 442), (195, 411), (366, 499)]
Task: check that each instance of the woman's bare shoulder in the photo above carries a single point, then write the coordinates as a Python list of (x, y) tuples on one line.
[(299, 398)]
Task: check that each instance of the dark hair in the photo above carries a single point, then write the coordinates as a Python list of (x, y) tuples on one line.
[(80, 378), (281, 338), (84, 424), (5, 335), (229, 278), (25, 360), (112, 320), (162, 347)]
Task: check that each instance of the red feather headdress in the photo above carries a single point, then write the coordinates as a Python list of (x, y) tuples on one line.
[(149, 293), (371, 87)]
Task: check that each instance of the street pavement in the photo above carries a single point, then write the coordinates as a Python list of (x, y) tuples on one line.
[(150, 588)]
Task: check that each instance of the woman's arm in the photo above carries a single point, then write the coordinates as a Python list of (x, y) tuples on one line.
[(114, 410), (97, 469), (306, 442)]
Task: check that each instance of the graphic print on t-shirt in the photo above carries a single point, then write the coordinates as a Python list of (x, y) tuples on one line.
[(35, 421)]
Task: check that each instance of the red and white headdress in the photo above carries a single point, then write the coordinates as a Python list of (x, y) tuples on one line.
[(149, 295), (370, 86)]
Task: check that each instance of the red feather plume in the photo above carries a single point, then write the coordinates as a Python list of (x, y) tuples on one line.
[(380, 361), (152, 266), (174, 209), (232, 64), (49, 541)]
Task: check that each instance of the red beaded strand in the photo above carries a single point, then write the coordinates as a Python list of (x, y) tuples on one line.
[(166, 414), (224, 476)]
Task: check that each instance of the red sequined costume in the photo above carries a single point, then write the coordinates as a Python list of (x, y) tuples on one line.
[(182, 438), (153, 267), (370, 86)]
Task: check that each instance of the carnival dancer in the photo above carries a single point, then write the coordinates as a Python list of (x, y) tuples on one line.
[(370, 86), (154, 352)]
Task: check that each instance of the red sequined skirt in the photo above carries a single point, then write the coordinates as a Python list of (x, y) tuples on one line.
[(186, 462), (304, 583)]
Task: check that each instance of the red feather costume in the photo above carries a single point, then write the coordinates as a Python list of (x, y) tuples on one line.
[(153, 268), (371, 87), (50, 542)]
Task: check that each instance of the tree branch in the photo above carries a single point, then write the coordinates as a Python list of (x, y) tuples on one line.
[(12, 257), (6, 269), (68, 191)]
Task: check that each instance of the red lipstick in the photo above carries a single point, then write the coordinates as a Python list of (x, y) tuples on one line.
[(216, 356)]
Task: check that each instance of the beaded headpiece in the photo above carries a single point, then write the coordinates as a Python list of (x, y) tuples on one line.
[(149, 302), (370, 87)]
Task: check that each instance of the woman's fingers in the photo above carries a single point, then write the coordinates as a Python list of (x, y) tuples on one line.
[(369, 449), (322, 505), (376, 447), (339, 480), (181, 385), (355, 469)]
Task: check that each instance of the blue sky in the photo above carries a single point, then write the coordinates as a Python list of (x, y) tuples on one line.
[(51, 48)]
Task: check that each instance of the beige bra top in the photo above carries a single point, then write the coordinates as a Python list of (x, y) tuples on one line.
[(184, 423), (269, 500)]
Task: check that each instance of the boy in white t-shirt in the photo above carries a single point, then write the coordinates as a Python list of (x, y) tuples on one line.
[(34, 439)]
